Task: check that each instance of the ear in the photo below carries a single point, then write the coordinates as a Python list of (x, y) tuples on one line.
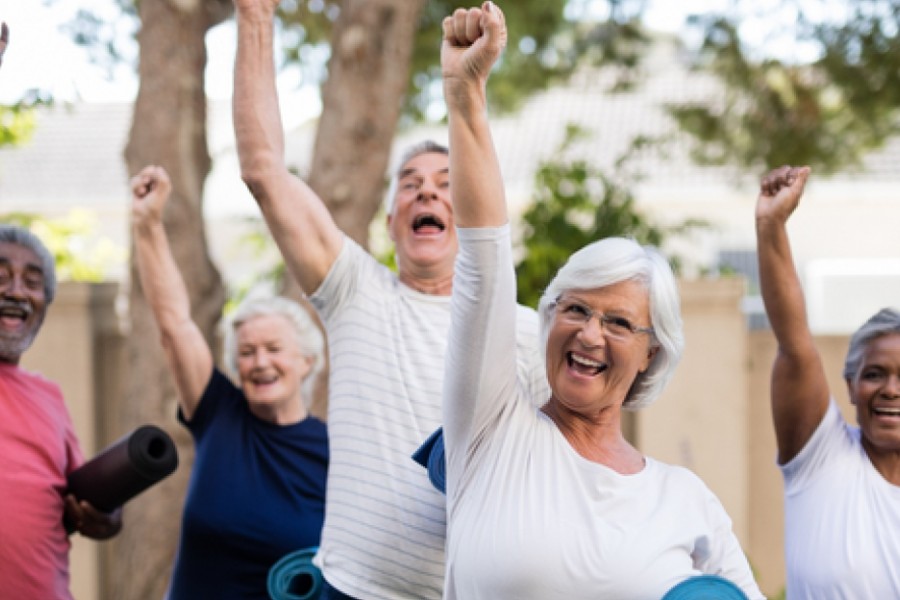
[(390, 219), (306, 363), (651, 354)]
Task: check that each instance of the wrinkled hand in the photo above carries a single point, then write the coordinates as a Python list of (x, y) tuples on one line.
[(90, 522), (473, 41), (150, 190), (4, 40), (780, 192)]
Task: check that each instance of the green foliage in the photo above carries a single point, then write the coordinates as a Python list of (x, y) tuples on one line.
[(540, 50), (576, 203), (544, 47), (826, 114), (16, 124), (17, 121), (80, 254)]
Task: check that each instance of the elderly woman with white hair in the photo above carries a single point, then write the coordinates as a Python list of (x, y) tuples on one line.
[(257, 489), (553, 501)]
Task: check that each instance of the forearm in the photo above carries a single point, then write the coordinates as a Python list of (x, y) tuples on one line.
[(256, 114), (161, 281), (780, 285), (475, 178)]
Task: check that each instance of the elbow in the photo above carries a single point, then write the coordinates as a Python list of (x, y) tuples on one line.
[(258, 173)]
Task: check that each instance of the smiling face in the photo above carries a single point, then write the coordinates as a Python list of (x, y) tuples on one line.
[(590, 369), (875, 391), (271, 368), (421, 223), (23, 302)]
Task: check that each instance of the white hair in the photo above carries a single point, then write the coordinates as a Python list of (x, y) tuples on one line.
[(613, 260), (306, 332), (885, 322)]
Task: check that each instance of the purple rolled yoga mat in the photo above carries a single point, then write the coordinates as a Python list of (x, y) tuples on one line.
[(125, 468)]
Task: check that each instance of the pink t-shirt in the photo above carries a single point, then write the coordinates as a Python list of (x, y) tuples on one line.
[(38, 448)]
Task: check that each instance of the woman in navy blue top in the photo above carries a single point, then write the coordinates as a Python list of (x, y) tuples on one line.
[(257, 489)]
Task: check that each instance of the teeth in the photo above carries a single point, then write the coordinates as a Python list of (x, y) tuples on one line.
[(895, 412), (587, 362)]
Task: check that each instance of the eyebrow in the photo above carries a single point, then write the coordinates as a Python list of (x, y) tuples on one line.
[(626, 312), (413, 171), (29, 267)]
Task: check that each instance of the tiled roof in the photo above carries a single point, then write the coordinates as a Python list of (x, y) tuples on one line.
[(73, 158)]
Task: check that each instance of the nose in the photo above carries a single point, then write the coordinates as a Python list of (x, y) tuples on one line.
[(591, 332), (427, 191), (892, 387), (14, 288), (260, 359)]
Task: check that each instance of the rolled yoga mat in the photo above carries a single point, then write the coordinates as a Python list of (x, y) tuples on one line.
[(705, 587), (125, 468), (294, 577), (431, 456)]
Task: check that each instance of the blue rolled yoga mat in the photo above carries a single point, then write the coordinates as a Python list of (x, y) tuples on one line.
[(705, 587), (431, 456), (294, 577)]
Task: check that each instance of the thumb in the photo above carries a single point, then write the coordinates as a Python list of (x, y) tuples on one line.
[(802, 174), (493, 24)]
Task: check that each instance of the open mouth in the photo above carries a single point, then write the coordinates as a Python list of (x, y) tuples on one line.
[(428, 223), (584, 365), (13, 314), (263, 380), (886, 412)]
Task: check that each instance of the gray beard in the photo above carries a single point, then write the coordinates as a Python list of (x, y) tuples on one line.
[(11, 349)]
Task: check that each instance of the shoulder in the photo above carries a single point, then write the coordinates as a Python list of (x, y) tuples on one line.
[(354, 270), (30, 379), (676, 476)]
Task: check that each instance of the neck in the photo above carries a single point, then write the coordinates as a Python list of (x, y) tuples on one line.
[(9, 360), (886, 462), (285, 414), (598, 437), (439, 285)]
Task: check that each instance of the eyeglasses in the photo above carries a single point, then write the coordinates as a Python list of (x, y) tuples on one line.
[(576, 313)]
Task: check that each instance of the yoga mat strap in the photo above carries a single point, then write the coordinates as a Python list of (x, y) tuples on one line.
[(125, 468)]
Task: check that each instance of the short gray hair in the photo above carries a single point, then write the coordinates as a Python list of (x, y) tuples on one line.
[(613, 260), (423, 147), (886, 321), (14, 234), (306, 332)]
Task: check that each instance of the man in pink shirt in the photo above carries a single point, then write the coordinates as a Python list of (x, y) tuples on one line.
[(37, 440)]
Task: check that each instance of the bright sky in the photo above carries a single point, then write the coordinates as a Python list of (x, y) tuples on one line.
[(41, 56)]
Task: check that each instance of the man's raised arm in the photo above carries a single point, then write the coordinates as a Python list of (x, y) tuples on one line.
[(302, 227)]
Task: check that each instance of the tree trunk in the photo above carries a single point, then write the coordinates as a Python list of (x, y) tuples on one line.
[(371, 47), (168, 129)]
